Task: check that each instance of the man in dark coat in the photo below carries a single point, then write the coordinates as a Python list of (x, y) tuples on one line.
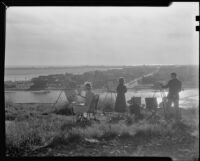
[(174, 86)]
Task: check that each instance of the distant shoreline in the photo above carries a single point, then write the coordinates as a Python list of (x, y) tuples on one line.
[(95, 66), (61, 67)]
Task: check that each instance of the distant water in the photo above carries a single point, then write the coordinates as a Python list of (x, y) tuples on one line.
[(28, 73), (188, 98)]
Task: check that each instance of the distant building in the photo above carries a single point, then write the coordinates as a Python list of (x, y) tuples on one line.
[(9, 84), (23, 84), (54, 85)]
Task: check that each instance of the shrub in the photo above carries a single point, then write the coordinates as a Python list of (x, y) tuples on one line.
[(107, 135), (125, 136), (129, 120), (10, 116), (108, 107), (64, 109), (68, 126)]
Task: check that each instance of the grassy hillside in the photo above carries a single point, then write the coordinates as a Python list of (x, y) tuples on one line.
[(40, 130), (187, 74)]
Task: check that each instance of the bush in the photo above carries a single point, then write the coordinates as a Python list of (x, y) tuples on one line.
[(66, 137), (64, 109), (107, 135), (108, 107), (59, 139), (10, 117), (116, 119), (130, 120), (68, 126), (125, 136)]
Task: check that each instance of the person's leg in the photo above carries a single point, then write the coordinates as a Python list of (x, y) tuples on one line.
[(168, 107), (177, 109)]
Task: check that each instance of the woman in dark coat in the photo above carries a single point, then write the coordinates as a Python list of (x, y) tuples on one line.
[(120, 103)]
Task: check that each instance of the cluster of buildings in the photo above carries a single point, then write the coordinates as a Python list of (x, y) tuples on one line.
[(41, 82), (17, 84)]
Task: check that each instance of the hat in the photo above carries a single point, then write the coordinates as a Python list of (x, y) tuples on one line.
[(121, 79), (88, 85)]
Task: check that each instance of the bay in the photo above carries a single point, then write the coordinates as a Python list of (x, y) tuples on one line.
[(188, 98)]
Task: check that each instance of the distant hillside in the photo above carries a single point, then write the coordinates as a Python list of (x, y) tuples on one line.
[(98, 78), (189, 75), (22, 73)]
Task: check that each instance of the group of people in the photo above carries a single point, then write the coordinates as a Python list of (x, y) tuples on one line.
[(174, 85)]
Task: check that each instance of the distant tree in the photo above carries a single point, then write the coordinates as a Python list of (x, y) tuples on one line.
[(39, 83)]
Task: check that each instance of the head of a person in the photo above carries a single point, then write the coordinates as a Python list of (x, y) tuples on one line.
[(88, 86), (121, 80), (173, 75)]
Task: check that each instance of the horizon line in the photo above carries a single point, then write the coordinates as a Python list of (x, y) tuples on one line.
[(55, 66)]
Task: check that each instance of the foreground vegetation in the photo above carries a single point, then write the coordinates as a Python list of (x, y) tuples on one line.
[(41, 130)]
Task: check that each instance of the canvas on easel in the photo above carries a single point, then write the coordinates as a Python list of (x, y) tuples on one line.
[(111, 86)]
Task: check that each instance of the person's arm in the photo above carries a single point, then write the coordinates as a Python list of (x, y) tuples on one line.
[(79, 93), (165, 86), (81, 96)]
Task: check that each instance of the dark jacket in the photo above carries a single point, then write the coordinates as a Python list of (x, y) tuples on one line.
[(174, 86), (120, 103)]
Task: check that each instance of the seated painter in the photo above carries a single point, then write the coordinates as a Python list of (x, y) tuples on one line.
[(89, 95)]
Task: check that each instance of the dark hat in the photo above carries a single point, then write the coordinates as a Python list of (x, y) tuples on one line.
[(173, 74)]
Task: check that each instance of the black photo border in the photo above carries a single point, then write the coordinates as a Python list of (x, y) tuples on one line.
[(4, 4)]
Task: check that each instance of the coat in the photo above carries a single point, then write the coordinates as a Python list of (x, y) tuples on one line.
[(120, 103)]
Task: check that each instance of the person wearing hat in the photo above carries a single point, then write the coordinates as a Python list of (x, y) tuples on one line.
[(175, 87), (120, 103), (89, 95)]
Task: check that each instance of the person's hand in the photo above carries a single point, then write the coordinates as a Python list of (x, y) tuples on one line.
[(157, 85)]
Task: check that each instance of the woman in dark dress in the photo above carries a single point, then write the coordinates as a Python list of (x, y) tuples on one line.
[(120, 103)]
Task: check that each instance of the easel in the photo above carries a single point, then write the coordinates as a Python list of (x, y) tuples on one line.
[(57, 99), (61, 91), (163, 95), (110, 90)]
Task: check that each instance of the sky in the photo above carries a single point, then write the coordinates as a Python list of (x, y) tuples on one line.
[(70, 36)]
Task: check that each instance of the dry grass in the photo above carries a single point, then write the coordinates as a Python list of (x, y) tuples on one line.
[(22, 135)]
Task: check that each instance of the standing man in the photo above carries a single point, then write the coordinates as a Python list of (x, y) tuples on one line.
[(174, 86)]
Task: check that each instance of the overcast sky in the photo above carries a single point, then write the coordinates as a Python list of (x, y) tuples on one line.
[(51, 36)]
